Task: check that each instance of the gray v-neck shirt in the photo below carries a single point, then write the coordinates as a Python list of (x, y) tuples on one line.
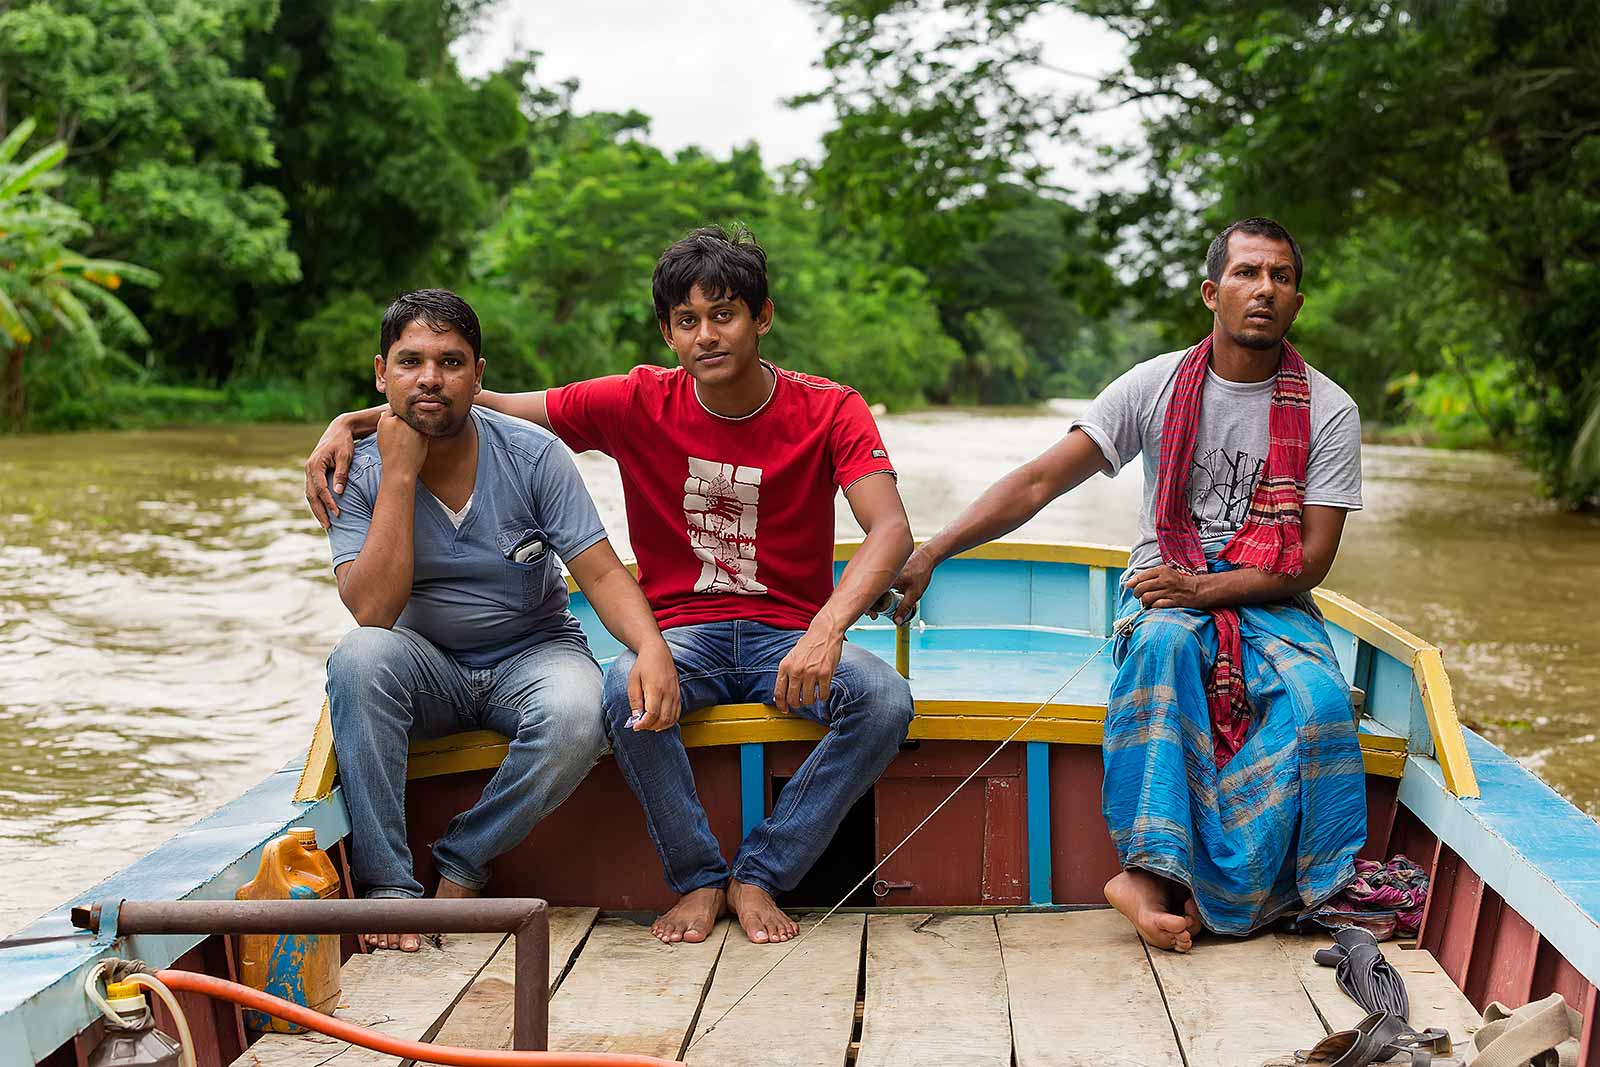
[(492, 587), (1230, 446)]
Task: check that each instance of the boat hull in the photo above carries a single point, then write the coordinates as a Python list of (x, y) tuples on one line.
[(1514, 913)]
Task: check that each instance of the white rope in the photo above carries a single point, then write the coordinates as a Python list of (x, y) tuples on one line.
[(1122, 627), (91, 988), (159, 988)]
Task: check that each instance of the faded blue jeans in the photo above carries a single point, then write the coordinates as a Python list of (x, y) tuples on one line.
[(387, 688), (867, 713)]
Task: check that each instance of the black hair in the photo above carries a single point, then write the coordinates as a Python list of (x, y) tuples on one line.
[(437, 309), (1258, 226), (723, 265)]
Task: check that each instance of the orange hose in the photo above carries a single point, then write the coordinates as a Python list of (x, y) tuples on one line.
[(243, 995)]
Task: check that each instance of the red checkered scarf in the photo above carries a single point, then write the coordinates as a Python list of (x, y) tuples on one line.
[(1270, 537)]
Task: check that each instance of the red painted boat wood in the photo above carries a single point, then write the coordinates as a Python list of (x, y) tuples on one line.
[(973, 851), (1082, 858), (594, 849)]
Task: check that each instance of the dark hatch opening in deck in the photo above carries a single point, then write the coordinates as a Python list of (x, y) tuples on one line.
[(848, 856)]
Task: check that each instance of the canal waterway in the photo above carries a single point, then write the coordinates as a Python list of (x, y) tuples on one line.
[(166, 605)]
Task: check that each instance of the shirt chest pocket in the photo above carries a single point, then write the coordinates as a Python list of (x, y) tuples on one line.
[(527, 566)]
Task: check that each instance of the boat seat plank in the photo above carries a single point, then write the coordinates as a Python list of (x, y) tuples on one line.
[(799, 1017), (1094, 962), (1435, 1000), (484, 1015), (1236, 1003), (936, 993), (629, 992), (404, 994)]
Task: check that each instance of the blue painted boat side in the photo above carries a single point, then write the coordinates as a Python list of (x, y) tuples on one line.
[(1040, 887), (1525, 840), (752, 786), (41, 986)]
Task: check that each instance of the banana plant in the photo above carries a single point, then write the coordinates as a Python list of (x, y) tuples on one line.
[(48, 292)]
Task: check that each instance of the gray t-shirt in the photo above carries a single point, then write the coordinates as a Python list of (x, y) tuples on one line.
[(1230, 446), (492, 587)]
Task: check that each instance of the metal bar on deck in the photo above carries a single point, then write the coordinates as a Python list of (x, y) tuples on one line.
[(525, 918)]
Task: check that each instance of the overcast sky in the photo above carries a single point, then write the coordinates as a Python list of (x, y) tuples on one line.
[(714, 73)]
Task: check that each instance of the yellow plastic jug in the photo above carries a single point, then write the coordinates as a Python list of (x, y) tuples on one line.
[(303, 968)]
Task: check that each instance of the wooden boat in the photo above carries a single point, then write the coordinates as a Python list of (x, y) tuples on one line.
[(977, 942)]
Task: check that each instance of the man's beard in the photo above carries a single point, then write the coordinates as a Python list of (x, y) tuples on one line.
[(435, 425), (1257, 341)]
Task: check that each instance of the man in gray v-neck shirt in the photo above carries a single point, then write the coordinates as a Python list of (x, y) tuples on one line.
[(445, 547)]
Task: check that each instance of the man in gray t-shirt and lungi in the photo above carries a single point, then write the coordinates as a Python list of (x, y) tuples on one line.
[(1234, 790), (445, 543)]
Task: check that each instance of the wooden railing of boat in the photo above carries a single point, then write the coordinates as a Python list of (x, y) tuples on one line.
[(1384, 748)]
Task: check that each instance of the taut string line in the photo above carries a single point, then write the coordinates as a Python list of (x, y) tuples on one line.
[(1121, 628)]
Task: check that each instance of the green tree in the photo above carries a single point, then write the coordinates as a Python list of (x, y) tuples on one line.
[(570, 257), (49, 293), (163, 137), (1478, 122)]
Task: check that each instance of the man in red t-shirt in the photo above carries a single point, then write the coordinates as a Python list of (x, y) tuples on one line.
[(729, 469)]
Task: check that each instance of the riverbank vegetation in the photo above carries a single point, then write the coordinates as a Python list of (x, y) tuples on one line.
[(268, 175)]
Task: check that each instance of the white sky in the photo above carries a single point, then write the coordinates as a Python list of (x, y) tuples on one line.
[(714, 73)]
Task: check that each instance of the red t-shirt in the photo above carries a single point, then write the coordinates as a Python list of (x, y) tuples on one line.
[(729, 518)]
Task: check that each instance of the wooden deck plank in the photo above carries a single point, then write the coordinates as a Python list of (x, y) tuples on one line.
[(936, 993), (483, 1017), (1095, 962), (801, 1016), (630, 993), (1236, 1003), (399, 993), (1435, 1000)]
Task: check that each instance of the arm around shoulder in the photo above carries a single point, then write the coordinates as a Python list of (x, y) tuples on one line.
[(529, 406)]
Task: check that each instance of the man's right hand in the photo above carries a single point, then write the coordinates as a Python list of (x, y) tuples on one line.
[(912, 582), (333, 452), (653, 695), (402, 449)]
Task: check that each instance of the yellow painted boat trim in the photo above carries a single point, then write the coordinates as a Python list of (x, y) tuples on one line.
[(739, 724), (955, 720), (316, 781), (1439, 703)]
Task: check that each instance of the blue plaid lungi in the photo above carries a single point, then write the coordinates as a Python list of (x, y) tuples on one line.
[(1275, 829)]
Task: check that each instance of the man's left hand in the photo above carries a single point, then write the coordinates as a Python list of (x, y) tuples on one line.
[(1165, 587), (806, 674)]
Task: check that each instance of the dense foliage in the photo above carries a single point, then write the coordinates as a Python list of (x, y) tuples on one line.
[(1439, 161), (286, 168)]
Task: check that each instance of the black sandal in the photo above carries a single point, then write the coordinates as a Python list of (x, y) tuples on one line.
[(1378, 1038)]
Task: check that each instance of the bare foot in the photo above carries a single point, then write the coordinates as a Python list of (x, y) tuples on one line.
[(1142, 897), (763, 921), (1191, 911), (692, 917), (447, 890), (403, 942)]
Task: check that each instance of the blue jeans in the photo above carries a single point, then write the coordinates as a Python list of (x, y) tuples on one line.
[(387, 688), (867, 713)]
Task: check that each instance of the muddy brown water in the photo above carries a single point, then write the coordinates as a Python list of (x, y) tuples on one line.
[(166, 606)]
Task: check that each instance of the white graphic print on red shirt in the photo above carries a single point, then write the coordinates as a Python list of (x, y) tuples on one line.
[(720, 503)]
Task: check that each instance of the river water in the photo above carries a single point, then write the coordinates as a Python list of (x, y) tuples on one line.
[(166, 606)]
